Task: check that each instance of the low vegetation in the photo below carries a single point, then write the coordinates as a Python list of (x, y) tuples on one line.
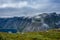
[(48, 35)]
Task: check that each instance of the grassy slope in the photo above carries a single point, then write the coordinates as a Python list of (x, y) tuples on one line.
[(49, 35)]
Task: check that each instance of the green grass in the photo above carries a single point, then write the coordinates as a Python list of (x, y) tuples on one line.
[(50, 35)]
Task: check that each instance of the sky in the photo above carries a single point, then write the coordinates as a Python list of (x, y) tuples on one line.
[(28, 7)]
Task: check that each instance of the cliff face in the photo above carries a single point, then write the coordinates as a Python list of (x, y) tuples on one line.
[(41, 22)]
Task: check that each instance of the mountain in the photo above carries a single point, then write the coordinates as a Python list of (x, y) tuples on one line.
[(16, 23), (41, 22)]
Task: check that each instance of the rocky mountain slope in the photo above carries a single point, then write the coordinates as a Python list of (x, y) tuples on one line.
[(41, 22)]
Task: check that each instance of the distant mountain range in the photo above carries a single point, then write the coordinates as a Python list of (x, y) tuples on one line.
[(41, 22)]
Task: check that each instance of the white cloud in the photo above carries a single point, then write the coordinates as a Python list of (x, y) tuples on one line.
[(14, 5), (36, 5)]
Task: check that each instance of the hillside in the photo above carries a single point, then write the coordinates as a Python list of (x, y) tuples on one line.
[(46, 35)]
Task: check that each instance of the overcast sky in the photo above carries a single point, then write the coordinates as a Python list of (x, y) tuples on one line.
[(28, 7)]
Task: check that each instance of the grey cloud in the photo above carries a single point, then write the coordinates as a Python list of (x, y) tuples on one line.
[(18, 12), (31, 7)]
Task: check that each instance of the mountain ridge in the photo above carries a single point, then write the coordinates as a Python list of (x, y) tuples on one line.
[(42, 22)]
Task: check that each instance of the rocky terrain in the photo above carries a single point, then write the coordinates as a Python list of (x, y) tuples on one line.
[(41, 22)]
